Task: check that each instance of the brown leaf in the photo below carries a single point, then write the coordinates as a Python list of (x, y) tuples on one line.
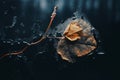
[(78, 41), (71, 32)]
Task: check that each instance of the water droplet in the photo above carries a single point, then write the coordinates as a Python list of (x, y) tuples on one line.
[(34, 37), (73, 18), (26, 43), (41, 52), (101, 53), (19, 56), (13, 7), (4, 41), (22, 24), (14, 21), (40, 34), (18, 42), (8, 41)]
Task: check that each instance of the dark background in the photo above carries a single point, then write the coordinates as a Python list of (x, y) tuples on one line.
[(24, 20)]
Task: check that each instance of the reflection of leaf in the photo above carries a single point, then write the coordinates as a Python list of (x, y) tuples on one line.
[(77, 42)]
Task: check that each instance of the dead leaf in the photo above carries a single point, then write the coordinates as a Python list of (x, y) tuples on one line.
[(78, 41), (71, 32)]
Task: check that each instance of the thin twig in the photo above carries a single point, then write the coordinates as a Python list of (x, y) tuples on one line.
[(36, 42)]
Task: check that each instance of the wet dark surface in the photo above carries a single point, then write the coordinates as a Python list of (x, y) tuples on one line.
[(24, 21)]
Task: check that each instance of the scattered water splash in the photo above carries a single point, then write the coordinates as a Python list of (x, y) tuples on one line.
[(19, 29)]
